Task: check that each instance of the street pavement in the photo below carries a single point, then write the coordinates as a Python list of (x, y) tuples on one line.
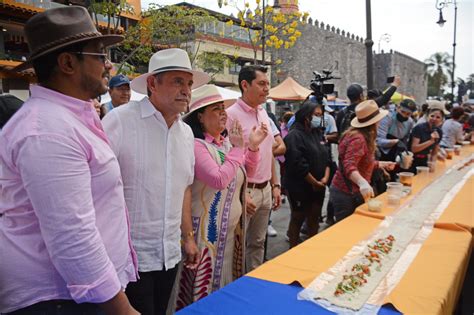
[(280, 218)]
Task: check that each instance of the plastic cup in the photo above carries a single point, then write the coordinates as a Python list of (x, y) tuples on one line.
[(449, 153), (394, 193), (457, 149), (406, 160), (421, 170), (432, 166), (406, 178)]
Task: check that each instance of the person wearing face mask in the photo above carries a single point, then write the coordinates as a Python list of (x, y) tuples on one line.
[(329, 124), (306, 173), (394, 131), (330, 135), (426, 137)]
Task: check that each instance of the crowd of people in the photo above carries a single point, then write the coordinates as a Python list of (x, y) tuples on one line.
[(101, 203)]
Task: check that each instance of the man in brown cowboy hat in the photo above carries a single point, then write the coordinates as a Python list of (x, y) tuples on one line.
[(64, 229), (155, 149)]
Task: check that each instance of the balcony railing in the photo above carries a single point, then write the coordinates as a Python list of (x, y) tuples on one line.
[(48, 4), (44, 4)]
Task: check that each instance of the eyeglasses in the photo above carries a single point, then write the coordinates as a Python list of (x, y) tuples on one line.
[(101, 56)]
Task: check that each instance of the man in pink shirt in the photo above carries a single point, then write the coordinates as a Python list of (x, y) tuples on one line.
[(264, 184), (64, 237)]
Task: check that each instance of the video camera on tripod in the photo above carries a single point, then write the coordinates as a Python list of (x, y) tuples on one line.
[(319, 88)]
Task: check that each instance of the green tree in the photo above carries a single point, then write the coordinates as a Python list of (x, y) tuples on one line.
[(212, 62), (111, 10), (470, 85), (163, 27), (437, 70)]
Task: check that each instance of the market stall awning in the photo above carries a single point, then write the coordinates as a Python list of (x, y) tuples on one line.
[(289, 90), (398, 97)]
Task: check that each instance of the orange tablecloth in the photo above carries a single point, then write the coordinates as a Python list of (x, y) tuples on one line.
[(317, 254), (460, 210), (432, 283)]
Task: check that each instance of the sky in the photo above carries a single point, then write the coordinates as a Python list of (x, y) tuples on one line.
[(411, 24)]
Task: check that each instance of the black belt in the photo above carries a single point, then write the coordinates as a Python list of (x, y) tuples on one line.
[(258, 185), (47, 305)]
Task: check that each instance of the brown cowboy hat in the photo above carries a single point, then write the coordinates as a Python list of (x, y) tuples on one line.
[(56, 28)]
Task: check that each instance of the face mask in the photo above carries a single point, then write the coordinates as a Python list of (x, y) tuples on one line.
[(316, 122), (401, 118)]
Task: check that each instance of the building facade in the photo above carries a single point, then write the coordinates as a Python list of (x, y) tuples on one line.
[(13, 45), (322, 46)]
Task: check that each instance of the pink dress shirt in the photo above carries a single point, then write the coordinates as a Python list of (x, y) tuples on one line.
[(219, 176), (248, 118), (63, 221)]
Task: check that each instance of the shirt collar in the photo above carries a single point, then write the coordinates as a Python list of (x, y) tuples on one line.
[(77, 106), (147, 109), (210, 139), (247, 107)]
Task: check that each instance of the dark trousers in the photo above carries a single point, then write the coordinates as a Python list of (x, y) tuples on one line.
[(59, 307), (310, 211), (150, 294), (344, 204)]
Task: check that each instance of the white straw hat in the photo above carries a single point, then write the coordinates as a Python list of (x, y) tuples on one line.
[(367, 113), (206, 95), (173, 59)]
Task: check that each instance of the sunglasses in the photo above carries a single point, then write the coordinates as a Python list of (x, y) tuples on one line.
[(101, 56)]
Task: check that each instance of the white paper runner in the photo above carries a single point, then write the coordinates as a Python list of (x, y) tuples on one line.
[(410, 225)]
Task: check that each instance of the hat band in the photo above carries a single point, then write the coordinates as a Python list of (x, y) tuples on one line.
[(41, 49), (171, 68), (366, 119), (207, 100)]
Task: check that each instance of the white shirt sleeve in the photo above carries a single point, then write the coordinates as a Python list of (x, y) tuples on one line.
[(275, 131)]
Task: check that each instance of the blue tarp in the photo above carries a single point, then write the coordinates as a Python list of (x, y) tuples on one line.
[(249, 295)]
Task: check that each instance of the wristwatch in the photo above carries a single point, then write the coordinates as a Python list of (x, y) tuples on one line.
[(276, 185)]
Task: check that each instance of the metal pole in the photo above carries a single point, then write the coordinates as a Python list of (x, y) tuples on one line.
[(368, 44), (263, 32), (454, 50)]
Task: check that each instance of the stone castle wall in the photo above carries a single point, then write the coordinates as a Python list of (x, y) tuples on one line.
[(410, 70), (322, 46)]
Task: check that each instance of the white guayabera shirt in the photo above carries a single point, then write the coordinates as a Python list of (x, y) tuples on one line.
[(157, 165)]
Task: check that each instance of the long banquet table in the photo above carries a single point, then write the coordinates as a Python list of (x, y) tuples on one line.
[(431, 285)]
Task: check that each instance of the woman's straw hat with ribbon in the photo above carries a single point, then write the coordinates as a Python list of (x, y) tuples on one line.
[(206, 95), (367, 113)]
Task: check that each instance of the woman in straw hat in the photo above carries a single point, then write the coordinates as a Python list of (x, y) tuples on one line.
[(350, 186), (218, 198)]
